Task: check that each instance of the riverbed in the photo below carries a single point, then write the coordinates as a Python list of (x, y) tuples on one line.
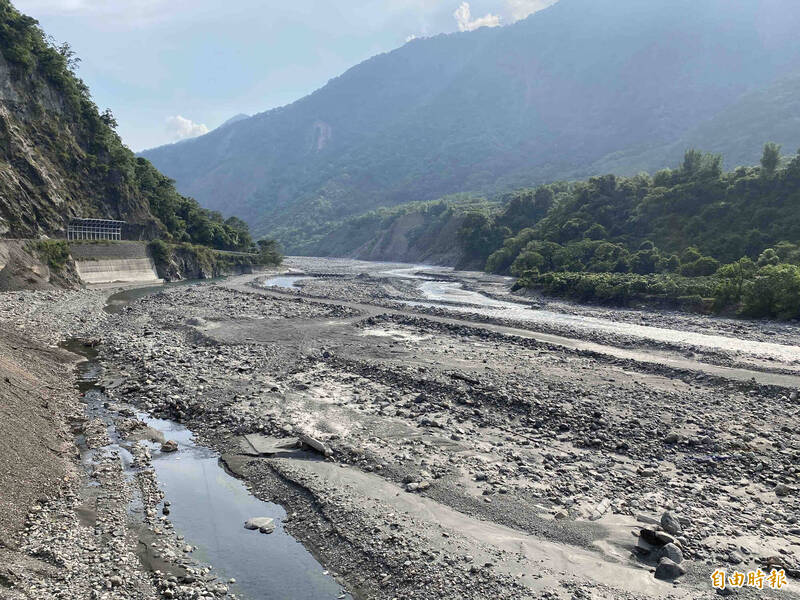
[(454, 447)]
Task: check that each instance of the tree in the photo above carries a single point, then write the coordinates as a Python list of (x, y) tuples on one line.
[(768, 257), (107, 117), (775, 292), (732, 281), (596, 232), (527, 261), (770, 159), (68, 53), (697, 163), (269, 252)]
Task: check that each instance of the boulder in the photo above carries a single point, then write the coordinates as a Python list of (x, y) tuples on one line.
[(667, 570), (263, 524), (782, 490), (670, 523), (672, 552)]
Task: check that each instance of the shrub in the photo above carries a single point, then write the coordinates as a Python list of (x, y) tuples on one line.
[(774, 292), (55, 253)]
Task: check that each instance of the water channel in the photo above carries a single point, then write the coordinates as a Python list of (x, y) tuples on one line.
[(208, 506), (438, 292)]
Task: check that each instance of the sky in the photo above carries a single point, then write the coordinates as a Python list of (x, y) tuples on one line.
[(174, 69)]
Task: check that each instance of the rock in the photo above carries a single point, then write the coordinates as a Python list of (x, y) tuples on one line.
[(600, 509), (169, 446), (315, 444), (670, 523), (643, 518), (672, 438), (644, 548), (263, 524), (115, 581), (672, 552), (665, 538), (782, 490), (650, 536), (667, 570)]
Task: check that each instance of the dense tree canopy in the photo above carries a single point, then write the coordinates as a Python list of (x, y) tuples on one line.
[(740, 228)]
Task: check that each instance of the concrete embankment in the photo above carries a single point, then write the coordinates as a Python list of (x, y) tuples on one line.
[(114, 262)]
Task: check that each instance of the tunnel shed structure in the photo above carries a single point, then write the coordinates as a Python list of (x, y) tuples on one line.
[(94, 229)]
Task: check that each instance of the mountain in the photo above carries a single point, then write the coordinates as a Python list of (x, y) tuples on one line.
[(569, 92), (234, 119), (61, 158)]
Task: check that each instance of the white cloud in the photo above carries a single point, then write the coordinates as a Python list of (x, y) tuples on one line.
[(181, 128), (519, 9), (411, 38), (463, 16)]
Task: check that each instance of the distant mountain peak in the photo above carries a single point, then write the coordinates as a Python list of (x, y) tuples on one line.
[(234, 119)]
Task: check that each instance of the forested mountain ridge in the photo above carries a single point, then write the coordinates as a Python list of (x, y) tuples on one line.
[(61, 158), (582, 88)]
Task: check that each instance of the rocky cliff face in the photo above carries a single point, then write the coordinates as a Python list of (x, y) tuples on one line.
[(51, 168), (398, 242)]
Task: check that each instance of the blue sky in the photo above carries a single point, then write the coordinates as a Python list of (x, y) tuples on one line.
[(171, 69)]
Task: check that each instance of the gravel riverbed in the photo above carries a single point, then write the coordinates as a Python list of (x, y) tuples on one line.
[(415, 456)]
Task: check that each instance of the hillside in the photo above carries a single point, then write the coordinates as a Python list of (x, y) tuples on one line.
[(61, 158), (689, 234), (417, 232), (581, 88)]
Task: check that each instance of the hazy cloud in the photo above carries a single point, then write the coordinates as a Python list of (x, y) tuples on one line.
[(125, 14), (463, 16), (181, 128), (519, 9)]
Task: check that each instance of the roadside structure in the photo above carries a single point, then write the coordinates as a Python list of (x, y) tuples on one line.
[(94, 229)]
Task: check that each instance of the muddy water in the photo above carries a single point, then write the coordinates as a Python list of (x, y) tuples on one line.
[(208, 506)]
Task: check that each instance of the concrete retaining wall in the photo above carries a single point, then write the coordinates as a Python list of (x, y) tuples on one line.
[(105, 264)]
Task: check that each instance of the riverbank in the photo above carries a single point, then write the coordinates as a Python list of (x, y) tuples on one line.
[(464, 460)]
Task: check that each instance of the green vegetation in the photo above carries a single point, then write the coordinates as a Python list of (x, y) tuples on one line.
[(185, 259), (502, 108), (101, 177), (55, 253), (692, 236), (269, 253), (183, 218)]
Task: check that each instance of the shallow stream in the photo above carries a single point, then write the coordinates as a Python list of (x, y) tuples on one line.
[(452, 295), (208, 506)]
